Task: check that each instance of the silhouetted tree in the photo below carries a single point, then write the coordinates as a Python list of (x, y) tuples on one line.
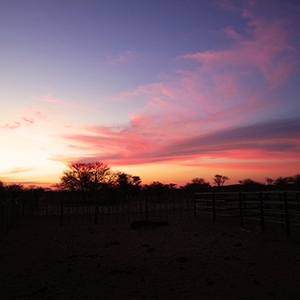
[(35, 192), (220, 180), (295, 181), (251, 185), (13, 191), (2, 192), (127, 184), (197, 185), (87, 178), (282, 183), (156, 188), (270, 182)]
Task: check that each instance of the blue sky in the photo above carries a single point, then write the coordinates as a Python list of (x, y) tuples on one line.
[(145, 85)]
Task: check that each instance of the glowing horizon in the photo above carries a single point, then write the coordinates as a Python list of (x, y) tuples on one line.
[(150, 96)]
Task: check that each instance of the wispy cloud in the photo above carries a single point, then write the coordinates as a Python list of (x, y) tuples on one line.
[(20, 170), (29, 121), (228, 83), (13, 125), (28, 118), (8, 173), (268, 50), (121, 57), (49, 98)]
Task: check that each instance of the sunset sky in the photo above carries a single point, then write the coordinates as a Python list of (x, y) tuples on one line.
[(167, 90)]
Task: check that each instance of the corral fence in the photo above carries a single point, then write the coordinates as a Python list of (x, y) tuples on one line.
[(282, 207), (123, 210), (12, 210), (70, 209)]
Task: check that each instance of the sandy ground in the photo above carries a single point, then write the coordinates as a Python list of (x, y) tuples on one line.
[(191, 259)]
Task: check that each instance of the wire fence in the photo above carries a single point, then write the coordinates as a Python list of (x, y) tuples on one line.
[(123, 210), (281, 207), (72, 210)]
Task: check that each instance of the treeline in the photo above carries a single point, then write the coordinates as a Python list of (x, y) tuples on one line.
[(13, 192), (88, 180)]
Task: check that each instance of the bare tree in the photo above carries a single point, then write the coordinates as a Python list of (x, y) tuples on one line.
[(269, 181), (220, 179)]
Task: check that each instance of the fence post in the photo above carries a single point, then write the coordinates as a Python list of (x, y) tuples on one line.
[(262, 218), (241, 210), (286, 213), (122, 204), (214, 206), (141, 208), (61, 209), (146, 208), (96, 211), (187, 207), (195, 210)]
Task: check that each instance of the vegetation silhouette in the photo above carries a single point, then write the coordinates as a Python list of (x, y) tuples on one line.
[(88, 180), (96, 185), (220, 180)]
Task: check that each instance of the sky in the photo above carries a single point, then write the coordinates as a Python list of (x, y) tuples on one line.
[(166, 90)]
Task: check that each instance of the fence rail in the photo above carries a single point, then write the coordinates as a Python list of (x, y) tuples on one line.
[(282, 207)]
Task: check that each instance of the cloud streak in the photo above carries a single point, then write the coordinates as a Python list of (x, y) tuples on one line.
[(276, 135), (250, 142)]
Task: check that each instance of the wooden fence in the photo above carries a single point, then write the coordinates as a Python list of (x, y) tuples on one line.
[(282, 207)]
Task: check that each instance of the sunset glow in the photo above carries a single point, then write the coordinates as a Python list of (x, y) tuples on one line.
[(165, 90)]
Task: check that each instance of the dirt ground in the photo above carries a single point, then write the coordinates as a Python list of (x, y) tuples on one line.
[(191, 259)]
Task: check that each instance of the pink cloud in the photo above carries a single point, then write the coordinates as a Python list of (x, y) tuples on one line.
[(30, 116), (267, 141), (232, 34), (219, 87), (15, 125), (197, 113), (268, 50)]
